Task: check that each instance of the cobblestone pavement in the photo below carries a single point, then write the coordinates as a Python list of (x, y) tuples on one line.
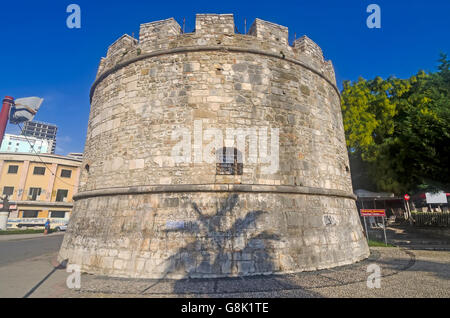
[(405, 273)]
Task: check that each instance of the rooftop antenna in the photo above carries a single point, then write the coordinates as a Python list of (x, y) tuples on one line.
[(184, 23)]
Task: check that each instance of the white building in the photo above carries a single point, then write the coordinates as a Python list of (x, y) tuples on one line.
[(76, 155), (23, 144)]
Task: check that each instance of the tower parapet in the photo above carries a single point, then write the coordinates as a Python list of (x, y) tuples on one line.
[(211, 24), (216, 31), (156, 35), (308, 47), (268, 31), (122, 44)]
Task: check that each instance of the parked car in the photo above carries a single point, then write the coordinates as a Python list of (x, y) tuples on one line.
[(62, 227)]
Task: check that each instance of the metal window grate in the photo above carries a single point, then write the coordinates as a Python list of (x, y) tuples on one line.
[(13, 169), (39, 171), (229, 162), (66, 173)]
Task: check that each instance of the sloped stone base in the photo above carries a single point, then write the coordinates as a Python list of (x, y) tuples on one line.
[(212, 234)]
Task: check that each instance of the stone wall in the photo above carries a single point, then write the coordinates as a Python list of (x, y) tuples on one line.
[(215, 79), (179, 235), (135, 109)]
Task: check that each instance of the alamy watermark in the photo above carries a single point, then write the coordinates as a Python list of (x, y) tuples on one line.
[(206, 146), (73, 281), (374, 279), (374, 19), (74, 19)]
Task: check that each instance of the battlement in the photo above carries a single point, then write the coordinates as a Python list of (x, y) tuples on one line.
[(121, 45), (269, 31), (308, 47), (154, 35), (212, 30), (214, 24)]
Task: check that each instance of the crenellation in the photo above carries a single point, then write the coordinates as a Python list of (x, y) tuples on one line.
[(122, 44), (101, 66), (269, 31), (155, 35), (329, 71), (307, 51), (212, 24), (214, 30), (308, 47)]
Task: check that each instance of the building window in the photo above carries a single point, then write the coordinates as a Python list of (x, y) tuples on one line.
[(39, 171), (34, 193), (61, 195), (13, 169), (66, 173), (229, 161), (30, 214), (58, 214), (8, 190)]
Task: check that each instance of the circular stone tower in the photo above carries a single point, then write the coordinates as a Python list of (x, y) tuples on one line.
[(213, 154)]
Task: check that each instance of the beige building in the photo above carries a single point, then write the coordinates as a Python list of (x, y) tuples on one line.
[(39, 187)]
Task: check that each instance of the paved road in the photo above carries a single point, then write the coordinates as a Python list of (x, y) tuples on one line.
[(28, 268), (16, 250), (404, 273)]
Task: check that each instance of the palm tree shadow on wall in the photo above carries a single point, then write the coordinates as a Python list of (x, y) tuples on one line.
[(224, 245)]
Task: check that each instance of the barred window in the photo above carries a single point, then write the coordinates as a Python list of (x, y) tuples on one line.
[(30, 214), (39, 171), (13, 169), (34, 193), (66, 173), (57, 214), (61, 195), (8, 190), (229, 161)]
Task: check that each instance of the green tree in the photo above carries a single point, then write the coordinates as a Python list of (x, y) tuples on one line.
[(398, 131)]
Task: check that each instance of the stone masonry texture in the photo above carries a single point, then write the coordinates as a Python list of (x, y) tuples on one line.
[(139, 213)]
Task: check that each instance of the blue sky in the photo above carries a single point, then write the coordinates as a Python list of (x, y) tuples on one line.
[(40, 56)]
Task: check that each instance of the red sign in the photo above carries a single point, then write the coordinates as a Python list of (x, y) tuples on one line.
[(373, 212), (406, 197), (11, 206)]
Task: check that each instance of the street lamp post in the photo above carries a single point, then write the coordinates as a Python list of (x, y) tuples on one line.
[(4, 115)]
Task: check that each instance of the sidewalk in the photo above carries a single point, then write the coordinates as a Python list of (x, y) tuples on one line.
[(19, 278), (411, 238), (15, 237), (404, 274)]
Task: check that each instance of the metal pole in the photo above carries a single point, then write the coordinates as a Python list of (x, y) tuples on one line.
[(365, 224), (406, 209), (4, 115), (384, 228), (409, 213), (375, 218)]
